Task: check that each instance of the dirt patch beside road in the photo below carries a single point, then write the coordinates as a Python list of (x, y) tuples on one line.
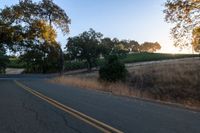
[(14, 70)]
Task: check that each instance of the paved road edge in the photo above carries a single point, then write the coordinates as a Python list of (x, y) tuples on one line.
[(87, 119)]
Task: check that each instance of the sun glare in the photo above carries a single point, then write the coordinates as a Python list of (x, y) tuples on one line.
[(168, 47)]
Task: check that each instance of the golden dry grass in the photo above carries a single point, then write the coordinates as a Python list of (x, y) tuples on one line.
[(93, 83), (176, 81)]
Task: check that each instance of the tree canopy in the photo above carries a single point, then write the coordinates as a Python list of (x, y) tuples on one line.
[(28, 11), (149, 47), (30, 27), (85, 46), (185, 16)]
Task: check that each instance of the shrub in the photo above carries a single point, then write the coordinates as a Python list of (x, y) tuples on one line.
[(113, 70)]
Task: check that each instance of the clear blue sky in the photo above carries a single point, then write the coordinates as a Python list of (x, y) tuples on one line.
[(140, 20)]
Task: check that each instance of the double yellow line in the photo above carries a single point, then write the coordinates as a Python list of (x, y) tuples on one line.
[(87, 119)]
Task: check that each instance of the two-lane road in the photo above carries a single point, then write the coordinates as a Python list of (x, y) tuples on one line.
[(23, 112)]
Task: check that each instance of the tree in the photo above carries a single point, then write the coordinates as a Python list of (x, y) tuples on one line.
[(54, 14), (130, 45), (11, 36), (35, 22), (86, 46), (113, 70), (3, 59), (107, 46), (43, 54), (119, 49), (185, 15), (149, 47), (28, 11), (42, 59), (196, 39), (115, 46), (134, 46)]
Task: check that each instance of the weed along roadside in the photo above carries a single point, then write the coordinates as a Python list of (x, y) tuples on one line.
[(175, 82)]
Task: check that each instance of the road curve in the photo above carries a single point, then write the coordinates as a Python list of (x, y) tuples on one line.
[(21, 111)]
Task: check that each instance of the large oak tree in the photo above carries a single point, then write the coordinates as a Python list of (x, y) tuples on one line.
[(36, 23), (85, 46)]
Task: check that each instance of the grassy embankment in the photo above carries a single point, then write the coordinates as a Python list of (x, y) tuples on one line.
[(173, 81), (130, 58)]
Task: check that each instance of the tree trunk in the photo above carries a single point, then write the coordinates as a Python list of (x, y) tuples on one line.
[(61, 62), (89, 65)]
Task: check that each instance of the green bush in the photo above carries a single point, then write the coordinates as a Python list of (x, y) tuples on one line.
[(113, 70), (15, 62), (75, 65)]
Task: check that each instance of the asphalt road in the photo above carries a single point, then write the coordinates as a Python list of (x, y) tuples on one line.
[(22, 112)]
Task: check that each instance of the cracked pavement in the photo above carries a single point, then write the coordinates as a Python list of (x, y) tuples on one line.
[(21, 112)]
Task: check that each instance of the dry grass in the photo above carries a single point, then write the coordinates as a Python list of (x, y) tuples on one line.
[(93, 83), (177, 81)]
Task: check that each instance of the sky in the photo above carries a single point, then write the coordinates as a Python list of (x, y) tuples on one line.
[(140, 20)]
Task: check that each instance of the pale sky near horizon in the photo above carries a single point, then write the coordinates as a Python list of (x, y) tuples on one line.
[(140, 20)]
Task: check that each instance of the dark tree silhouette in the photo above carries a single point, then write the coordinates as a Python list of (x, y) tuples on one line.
[(86, 46)]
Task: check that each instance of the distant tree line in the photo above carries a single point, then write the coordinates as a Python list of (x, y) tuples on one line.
[(90, 46)]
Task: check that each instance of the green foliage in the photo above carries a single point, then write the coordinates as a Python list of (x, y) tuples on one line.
[(43, 55), (133, 46), (184, 15), (11, 36), (149, 47), (129, 58), (86, 46), (113, 70), (28, 27), (121, 48), (142, 57), (43, 59), (28, 11), (3, 60), (106, 46), (15, 62), (75, 65)]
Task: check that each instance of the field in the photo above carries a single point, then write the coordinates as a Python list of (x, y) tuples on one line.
[(131, 58), (141, 57), (175, 81)]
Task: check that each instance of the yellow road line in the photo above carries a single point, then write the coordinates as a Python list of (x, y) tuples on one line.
[(87, 119)]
